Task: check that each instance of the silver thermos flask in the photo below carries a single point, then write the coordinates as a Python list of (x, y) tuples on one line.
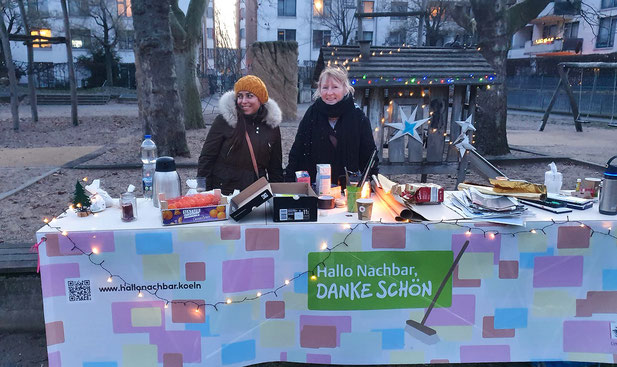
[(608, 195), (166, 180)]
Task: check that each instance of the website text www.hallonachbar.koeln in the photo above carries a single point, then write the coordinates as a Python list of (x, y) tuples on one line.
[(150, 287)]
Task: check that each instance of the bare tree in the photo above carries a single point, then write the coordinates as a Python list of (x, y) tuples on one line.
[(186, 32), (494, 22), (338, 16), (8, 58), (110, 22), (31, 86), (69, 63), (159, 101)]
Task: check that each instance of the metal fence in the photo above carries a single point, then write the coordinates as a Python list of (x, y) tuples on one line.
[(533, 93)]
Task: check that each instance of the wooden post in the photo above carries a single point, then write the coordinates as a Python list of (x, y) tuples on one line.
[(375, 114), (566, 85), (551, 104), (396, 148), (439, 97), (464, 162), (458, 100)]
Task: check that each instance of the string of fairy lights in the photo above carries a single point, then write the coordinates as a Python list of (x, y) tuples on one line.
[(468, 228), (413, 80)]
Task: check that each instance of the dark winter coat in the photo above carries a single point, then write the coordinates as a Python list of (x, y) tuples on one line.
[(228, 166), (314, 145)]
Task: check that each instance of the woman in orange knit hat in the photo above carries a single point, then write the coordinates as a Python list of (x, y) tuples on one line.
[(244, 142)]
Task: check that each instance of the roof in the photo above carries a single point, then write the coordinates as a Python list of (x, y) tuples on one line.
[(399, 66)]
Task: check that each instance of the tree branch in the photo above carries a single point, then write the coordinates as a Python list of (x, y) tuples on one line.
[(194, 13), (520, 14)]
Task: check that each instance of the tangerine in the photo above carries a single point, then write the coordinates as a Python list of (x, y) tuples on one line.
[(214, 213), (221, 215)]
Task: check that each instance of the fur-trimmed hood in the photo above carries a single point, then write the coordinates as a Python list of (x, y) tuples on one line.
[(227, 108)]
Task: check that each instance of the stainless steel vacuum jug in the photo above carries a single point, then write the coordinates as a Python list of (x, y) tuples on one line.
[(608, 195), (166, 180)]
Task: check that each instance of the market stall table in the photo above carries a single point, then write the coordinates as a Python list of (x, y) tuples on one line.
[(337, 291)]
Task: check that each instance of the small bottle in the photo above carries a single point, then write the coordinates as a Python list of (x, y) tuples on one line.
[(128, 203), (578, 185), (147, 174), (148, 158)]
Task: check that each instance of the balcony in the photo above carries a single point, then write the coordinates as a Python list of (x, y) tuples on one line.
[(554, 46)]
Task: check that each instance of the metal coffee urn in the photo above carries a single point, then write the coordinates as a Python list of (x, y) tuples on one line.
[(166, 180), (608, 195)]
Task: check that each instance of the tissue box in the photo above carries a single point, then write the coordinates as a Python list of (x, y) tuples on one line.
[(294, 202), (250, 198)]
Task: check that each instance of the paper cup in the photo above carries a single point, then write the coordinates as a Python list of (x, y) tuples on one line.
[(365, 208), (353, 193)]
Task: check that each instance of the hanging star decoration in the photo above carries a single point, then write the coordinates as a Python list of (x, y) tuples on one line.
[(408, 126), (466, 125), (462, 144)]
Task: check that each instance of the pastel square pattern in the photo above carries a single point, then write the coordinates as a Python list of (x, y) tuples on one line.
[(161, 267), (53, 278), (243, 351), (573, 237), (231, 232), (388, 237), (54, 332), (146, 317), (54, 359), (558, 271), (275, 309), (261, 239), (142, 355), (186, 311), (195, 271), (508, 269), (172, 360)]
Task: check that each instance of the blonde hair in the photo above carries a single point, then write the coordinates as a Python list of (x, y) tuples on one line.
[(336, 73)]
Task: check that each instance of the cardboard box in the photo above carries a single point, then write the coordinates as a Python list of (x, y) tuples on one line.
[(250, 198), (298, 205)]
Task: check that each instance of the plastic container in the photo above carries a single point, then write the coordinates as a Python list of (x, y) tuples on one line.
[(148, 150), (146, 180), (128, 204), (553, 180)]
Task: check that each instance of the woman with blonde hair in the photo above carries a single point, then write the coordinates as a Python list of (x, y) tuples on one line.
[(333, 131)]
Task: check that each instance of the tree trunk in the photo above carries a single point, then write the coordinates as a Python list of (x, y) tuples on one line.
[(186, 68), (69, 61), (158, 98), (494, 43), (8, 59), (108, 64), (31, 86)]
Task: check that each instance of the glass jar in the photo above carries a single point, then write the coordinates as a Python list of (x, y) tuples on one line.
[(128, 204)]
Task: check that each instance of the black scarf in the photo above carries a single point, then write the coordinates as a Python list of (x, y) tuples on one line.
[(337, 109)]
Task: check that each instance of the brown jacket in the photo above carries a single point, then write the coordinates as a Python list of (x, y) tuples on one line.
[(229, 167)]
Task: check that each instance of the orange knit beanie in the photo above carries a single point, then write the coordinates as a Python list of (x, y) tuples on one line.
[(253, 84)]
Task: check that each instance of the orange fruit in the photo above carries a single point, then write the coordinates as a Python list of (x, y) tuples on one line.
[(221, 215), (167, 215), (214, 213), (220, 208)]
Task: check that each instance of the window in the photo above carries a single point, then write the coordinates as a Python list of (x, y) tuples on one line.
[(37, 7), (126, 40), (397, 37), (80, 38), (399, 6), (286, 35), (606, 33), (210, 12), (350, 4), (368, 7), (322, 8), (242, 33), (78, 8), (210, 53), (320, 38), (549, 31), (41, 32), (570, 30), (124, 8), (286, 8), (210, 33), (609, 4), (367, 36)]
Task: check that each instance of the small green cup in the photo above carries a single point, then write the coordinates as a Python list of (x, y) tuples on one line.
[(353, 193)]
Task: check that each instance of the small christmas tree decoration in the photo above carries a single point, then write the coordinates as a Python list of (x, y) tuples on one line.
[(81, 201)]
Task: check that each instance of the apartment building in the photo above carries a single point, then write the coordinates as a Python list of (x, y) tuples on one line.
[(560, 30)]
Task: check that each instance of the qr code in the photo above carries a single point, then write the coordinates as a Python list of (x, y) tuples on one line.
[(79, 290)]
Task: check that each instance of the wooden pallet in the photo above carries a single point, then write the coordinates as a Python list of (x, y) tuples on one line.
[(17, 258)]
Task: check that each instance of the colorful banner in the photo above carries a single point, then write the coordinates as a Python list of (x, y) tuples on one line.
[(238, 295), (378, 280)]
